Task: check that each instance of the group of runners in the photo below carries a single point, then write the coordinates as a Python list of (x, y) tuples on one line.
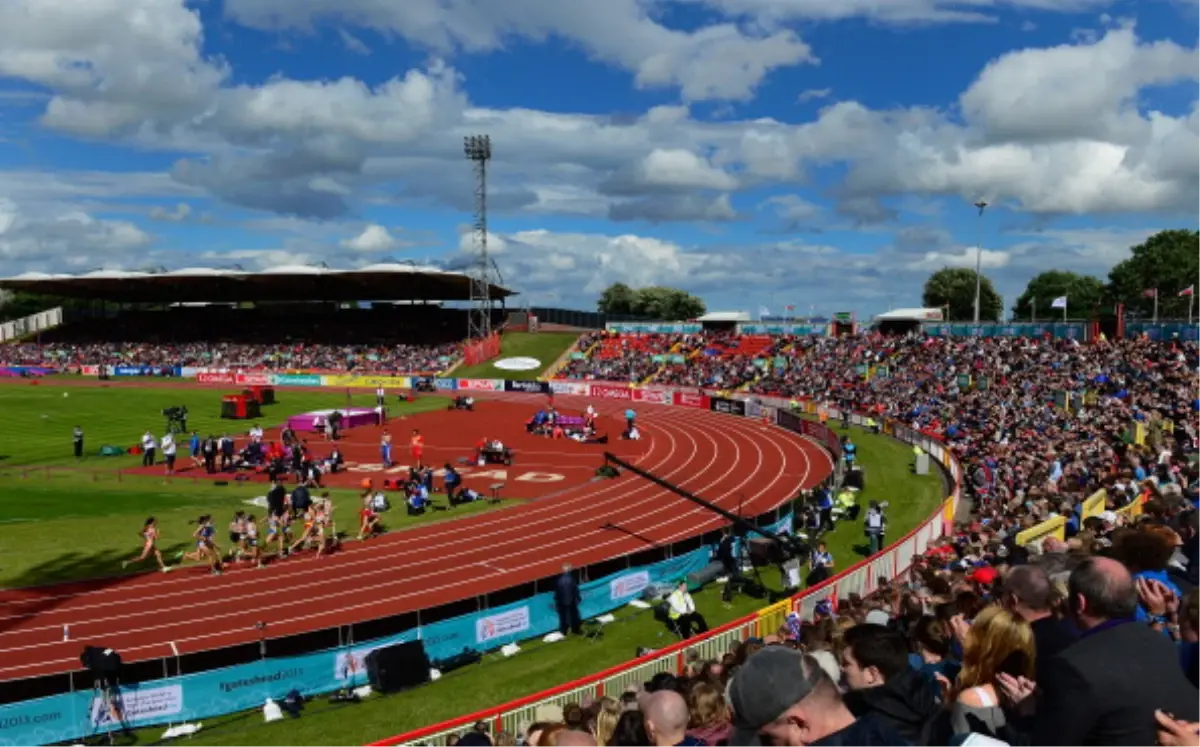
[(245, 543)]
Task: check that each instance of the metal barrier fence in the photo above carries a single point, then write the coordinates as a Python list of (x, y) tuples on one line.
[(860, 578)]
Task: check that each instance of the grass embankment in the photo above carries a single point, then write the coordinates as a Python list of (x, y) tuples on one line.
[(541, 666), (544, 347)]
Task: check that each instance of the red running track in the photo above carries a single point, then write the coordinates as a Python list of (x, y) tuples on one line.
[(725, 459)]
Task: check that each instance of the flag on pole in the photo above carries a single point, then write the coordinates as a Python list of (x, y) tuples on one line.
[(1150, 293), (1059, 303), (790, 307), (1190, 290)]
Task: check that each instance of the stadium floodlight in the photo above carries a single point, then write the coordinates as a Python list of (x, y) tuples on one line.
[(981, 205), (478, 150)]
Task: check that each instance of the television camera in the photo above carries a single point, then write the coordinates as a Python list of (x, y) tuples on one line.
[(176, 418)]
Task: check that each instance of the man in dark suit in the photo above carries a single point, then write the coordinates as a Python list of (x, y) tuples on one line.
[(1028, 593), (566, 600), (1105, 688)]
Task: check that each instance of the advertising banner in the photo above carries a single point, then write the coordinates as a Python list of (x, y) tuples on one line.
[(652, 328), (698, 400), (610, 391), (214, 378), (572, 388), (446, 385), (89, 370), (727, 406), (529, 387), (295, 380), (71, 716), (652, 396), (369, 382), (144, 371), (253, 378), (481, 385)]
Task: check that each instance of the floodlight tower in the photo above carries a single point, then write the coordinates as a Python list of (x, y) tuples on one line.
[(478, 150)]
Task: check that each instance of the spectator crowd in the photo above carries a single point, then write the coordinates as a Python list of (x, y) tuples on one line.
[(392, 358), (1090, 638)]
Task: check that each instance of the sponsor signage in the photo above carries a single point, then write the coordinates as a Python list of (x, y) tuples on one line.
[(629, 585), (652, 396), (692, 399), (727, 406), (529, 387), (205, 377), (254, 378), (295, 380), (89, 370), (503, 625), (610, 391), (573, 388), (446, 385), (370, 382), (136, 705), (481, 385)]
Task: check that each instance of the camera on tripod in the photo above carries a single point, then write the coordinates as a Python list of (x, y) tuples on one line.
[(176, 418)]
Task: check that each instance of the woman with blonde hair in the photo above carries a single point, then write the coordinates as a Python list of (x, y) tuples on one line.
[(996, 642), (608, 712), (710, 722)]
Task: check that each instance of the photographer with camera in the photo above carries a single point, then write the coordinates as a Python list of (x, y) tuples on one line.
[(875, 526)]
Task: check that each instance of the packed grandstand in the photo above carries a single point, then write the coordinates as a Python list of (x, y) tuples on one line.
[(1087, 639)]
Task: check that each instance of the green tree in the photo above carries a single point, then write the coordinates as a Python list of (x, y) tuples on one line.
[(666, 304), (1168, 261), (955, 287), (1083, 293), (616, 299)]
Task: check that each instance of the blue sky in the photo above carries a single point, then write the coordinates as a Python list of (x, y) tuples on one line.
[(755, 152)]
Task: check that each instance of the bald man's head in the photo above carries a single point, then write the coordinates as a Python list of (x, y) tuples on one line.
[(666, 715), (1101, 589)]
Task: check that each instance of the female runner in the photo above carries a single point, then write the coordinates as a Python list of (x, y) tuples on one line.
[(250, 536), (310, 523), (237, 535), (149, 536), (206, 548)]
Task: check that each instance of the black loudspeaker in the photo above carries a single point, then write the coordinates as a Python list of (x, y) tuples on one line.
[(707, 574), (854, 479), (398, 667), (102, 664)]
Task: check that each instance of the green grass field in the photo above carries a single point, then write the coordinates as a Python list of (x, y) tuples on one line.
[(97, 515), (37, 420), (546, 347)]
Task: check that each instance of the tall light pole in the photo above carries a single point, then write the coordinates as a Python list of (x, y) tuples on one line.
[(478, 150), (982, 205)]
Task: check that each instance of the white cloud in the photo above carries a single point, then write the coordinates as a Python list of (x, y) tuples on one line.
[(373, 238), (814, 94), (65, 240), (719, 61)]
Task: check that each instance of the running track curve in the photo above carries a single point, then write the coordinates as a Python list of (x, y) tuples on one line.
[(149, 616)]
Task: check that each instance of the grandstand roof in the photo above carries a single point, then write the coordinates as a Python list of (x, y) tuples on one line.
[(382, 282)]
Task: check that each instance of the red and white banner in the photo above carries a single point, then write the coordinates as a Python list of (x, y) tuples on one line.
[(692, 399), (214, 378), (653, 396), (481, 385), (89, 370), (610, 391), (254, 378)]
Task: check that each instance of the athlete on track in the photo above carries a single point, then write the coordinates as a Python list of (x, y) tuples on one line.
[(149, 536), (417, 447)]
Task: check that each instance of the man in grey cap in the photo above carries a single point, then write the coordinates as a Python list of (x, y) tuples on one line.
[(782, 697)]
